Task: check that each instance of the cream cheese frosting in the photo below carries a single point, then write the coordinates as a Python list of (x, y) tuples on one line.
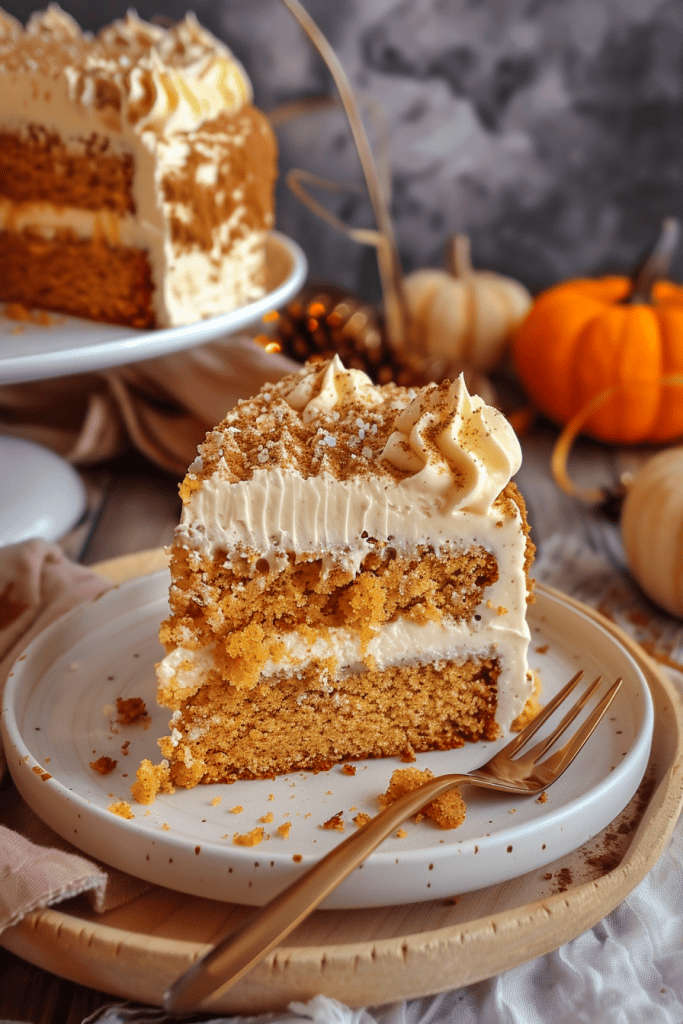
[(448, 443), (455, 447), (421, 468), (154, 79)]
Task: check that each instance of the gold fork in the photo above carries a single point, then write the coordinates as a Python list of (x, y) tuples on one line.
[(237, 952)]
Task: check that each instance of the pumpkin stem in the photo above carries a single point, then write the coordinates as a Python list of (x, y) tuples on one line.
[(656, 265), (459, 256)]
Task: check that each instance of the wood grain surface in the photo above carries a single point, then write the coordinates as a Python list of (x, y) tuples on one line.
[(374, 956)]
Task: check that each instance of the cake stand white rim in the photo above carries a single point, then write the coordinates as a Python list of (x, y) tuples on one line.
[(97, 346)]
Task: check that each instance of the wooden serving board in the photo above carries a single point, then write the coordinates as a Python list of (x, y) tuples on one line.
[(374, 956)]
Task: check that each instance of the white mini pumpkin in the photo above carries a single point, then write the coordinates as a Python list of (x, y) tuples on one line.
[(461, 316), (652, 529)]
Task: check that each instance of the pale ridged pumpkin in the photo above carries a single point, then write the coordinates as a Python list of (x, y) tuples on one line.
[(652, 529), (584, 337), (463, 317)]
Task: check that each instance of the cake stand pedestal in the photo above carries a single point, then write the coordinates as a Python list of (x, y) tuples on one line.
[(41, 495)]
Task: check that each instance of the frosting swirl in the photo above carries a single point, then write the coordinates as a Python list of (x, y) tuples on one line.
[(132, 72), (337, 386), (454, 446), (10, 27), (183, 76)]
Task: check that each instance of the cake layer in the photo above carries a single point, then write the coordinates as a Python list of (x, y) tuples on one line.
[(291, 724), (87, 278), (37, 164), (228, 594)]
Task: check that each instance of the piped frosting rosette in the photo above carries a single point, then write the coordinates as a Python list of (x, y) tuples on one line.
[(454, 447), (313, 396), (133, 73)]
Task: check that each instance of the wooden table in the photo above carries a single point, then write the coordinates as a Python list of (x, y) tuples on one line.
[(134, 507)]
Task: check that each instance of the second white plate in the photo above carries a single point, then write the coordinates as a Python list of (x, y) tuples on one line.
[(59, 715)]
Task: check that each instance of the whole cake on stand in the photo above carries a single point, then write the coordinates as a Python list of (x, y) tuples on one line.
[(136, 176), (136, 189)]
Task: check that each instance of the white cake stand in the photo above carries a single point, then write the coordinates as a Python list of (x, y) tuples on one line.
[(41, 494)]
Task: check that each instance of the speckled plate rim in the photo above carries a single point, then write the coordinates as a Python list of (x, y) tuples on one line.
[(135, 963), (53, 726)]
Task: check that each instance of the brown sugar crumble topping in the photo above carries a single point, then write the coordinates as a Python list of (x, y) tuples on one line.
[(130, 709), (103, 765), (345, 440)]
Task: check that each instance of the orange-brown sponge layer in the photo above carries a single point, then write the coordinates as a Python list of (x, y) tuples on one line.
[(83, 277), (38, 167), (288, 724)]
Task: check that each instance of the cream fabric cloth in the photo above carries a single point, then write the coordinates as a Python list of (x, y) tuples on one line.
[(165, 406), (37, 867)]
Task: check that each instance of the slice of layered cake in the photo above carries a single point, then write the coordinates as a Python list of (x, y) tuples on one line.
[(349, 580), (136, 177)]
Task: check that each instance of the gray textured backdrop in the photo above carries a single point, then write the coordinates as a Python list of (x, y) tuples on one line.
[(550, 130)]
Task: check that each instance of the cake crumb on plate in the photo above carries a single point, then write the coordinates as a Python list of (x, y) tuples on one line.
[(252, 838), (131, 709), (122, 808), (447, 810), (335, 822)]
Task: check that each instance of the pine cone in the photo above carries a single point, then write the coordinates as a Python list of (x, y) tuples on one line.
[(323, 320)]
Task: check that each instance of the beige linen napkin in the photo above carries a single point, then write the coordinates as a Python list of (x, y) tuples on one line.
[(163, 406), (38, 868)]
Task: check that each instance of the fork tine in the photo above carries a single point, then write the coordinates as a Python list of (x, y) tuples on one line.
[(547, 742), (522, 738), (563, 757)]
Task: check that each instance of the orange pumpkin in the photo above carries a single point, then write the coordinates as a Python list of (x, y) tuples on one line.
[(584, 337)]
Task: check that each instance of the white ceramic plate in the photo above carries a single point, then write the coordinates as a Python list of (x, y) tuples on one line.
[(58, 716), (47, 497), (72, 345)]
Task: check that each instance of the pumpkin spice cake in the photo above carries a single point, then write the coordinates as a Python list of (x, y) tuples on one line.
[(349, 580), (136, 176)]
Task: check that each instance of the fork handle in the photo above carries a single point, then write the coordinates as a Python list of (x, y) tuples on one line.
[(237, 952)]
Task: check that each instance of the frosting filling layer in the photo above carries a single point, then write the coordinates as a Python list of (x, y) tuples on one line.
[(401, 642)]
